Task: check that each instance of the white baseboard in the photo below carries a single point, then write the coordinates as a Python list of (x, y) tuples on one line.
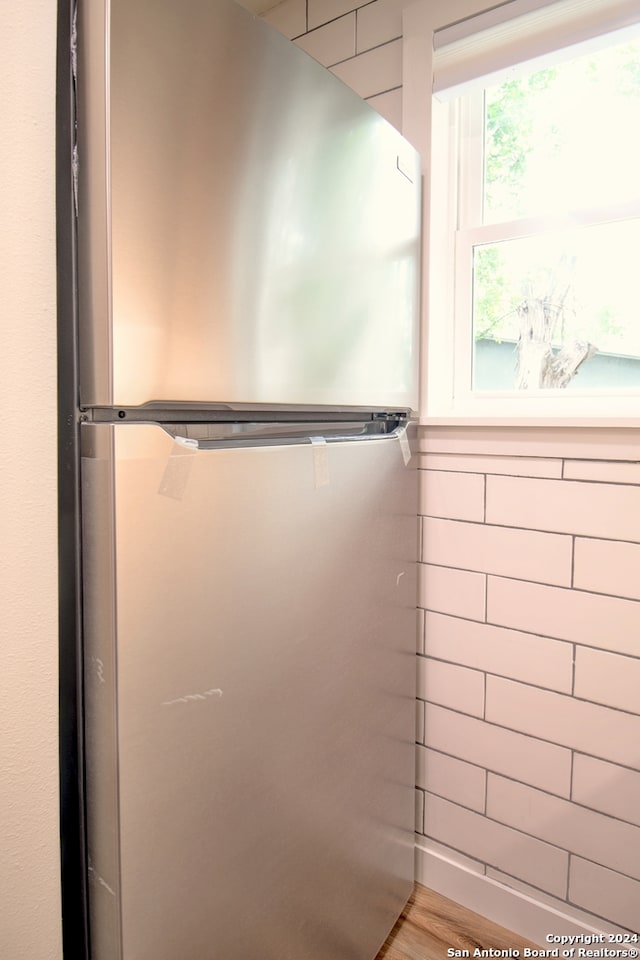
[(511, 908)]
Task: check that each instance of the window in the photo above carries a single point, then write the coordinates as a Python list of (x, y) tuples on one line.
[(534, 303)]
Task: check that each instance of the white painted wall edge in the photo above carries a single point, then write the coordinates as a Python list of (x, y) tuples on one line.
[(518, 912)]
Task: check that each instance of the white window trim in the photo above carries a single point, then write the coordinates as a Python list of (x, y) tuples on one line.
[(427, 121), (518, 33)]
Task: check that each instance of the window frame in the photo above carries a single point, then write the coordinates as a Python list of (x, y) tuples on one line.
[(447, 344)]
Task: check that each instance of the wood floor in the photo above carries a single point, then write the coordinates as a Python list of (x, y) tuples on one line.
[(430, 924)]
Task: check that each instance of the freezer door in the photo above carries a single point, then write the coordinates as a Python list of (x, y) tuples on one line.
[(250, 684), (248, 226)]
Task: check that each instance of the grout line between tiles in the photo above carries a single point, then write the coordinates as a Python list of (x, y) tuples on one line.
[(525, 476), (491, 864), (555, 743), (531, 633), (484, 502), (356, 56), (524, 783), (571, 763), (489, 573), (464, 806), (524, 529), (372, 96), (484, 702), (549, 793), (540, 583), (549, 843), (494, 673), (463, 713), (583, 753), (572, 698)]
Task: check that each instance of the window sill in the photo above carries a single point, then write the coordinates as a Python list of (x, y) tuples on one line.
[(559, 438), (470, 420)]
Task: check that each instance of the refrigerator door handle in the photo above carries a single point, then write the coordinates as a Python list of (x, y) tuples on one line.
[(237, 436)]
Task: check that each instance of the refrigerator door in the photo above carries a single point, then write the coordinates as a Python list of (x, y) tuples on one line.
[(248, 226), (250, 684)]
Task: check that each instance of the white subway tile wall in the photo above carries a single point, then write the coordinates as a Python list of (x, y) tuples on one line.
[(607, 566), (608, 678), (289, 17), (374, 72), (509, 466), (389, 106), (526, 554), (333, 42), (507, 653), (452, 779), (379, 22), (609, 511), (606, 787), (559, 650), (605, 892), (451, 686), (321, 11), (541, 864), (603, 470), (456, 496), (603, 732), (578, 616), (420, 621), (528, 646), (452, 591), (361, 42), (495, 748), (595, 836)]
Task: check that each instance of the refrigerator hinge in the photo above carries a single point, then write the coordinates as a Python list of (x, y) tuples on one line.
[(392, 415)]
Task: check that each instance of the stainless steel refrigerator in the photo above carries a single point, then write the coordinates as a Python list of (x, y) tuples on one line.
[(248, 239)]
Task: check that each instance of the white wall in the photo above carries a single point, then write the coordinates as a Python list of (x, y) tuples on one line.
[(30, 927)]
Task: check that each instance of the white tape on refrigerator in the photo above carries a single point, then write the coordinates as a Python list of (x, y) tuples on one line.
[(320, 461), (405, 447), (178, 469)]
